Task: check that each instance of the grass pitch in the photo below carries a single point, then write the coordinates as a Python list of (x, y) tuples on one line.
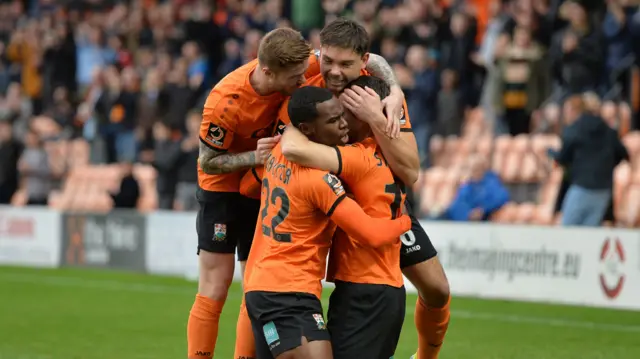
[(88, 314)]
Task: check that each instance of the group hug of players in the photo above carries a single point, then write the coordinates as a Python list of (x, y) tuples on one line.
[(331, 184)]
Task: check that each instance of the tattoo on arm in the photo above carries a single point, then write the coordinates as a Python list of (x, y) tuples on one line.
[(215, 162), (379, 67)]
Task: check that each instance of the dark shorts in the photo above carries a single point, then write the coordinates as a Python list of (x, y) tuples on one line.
[(226, 221), (280, 320), (365, 320), (416, 246)]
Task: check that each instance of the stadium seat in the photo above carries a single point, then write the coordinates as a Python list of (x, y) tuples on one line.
[(525, 213), (506, 214), (500, 150), (436, 150)]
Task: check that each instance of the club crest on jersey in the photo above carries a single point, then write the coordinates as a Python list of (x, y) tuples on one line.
[(334, 183), (219, 232), (280, 127), (215, 135), (403, 119), (320, 321)]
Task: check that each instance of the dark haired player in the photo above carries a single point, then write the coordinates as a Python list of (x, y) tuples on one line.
[(285, 268)]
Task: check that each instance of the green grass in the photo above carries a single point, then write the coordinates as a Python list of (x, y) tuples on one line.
[(88, 314)]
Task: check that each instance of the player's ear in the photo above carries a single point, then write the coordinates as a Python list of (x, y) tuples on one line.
[(365, 59), (267, 71), (306, 129)]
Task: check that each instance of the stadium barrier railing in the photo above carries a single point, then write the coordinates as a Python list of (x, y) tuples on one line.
[(593, 266)]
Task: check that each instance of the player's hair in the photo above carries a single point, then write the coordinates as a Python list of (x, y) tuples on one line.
[(282, 48), (303, 104), (345, 34), (375, 83)]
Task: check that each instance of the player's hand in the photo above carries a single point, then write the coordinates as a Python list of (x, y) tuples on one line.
[(364, 103), (393, 106), (265, 145), (292, 137)]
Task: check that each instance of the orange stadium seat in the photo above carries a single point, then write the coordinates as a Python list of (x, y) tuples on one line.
[(500, 150), (484, 146), (525, 213), (434, 178), (436, 150), (513, 162), (506, 214)]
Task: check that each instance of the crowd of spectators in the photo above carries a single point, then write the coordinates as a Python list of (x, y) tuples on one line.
[(130, 77)]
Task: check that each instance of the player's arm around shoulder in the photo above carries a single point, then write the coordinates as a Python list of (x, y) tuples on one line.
[(296, 147), (329, 196)]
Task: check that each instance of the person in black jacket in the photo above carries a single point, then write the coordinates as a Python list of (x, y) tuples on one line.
[(592, 150), (129, 192), (166, 160)]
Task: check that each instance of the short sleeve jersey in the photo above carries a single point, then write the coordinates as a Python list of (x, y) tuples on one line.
[(367, 176), (296, 230), (235, 116)]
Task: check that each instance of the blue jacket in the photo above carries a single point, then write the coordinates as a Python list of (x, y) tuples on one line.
[(489, 194)]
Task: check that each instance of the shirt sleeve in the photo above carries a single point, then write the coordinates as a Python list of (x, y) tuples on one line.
[(325, 191), (314, 64), (251, 183), (405, 122), (353, 163), (217, 126)]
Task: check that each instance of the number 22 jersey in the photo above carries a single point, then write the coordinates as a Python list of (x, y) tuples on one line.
[(295, 227)]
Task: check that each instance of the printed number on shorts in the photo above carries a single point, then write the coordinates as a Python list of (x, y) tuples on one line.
[(408, 238), (270, 198)]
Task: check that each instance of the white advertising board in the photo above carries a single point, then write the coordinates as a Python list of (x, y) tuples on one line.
[(167, 235), (172, 244), (29, 236), (595, 266)]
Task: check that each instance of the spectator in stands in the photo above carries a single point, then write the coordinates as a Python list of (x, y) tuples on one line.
[(178, 96), (60, 108), (59, 63), (590, 151), (166, 158), (10, 151), (129, 192), (34, 170), (188, 173), (450, 113), (25, 49), (5, 74), (521, 81), (148, 108), (577, 52), (116, 109), (16, 108), (91, 53), (457, 55), (619, 39), (421, 87), (481, 196)]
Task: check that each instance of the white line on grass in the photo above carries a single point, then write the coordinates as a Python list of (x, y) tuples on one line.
[(102, 284)]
